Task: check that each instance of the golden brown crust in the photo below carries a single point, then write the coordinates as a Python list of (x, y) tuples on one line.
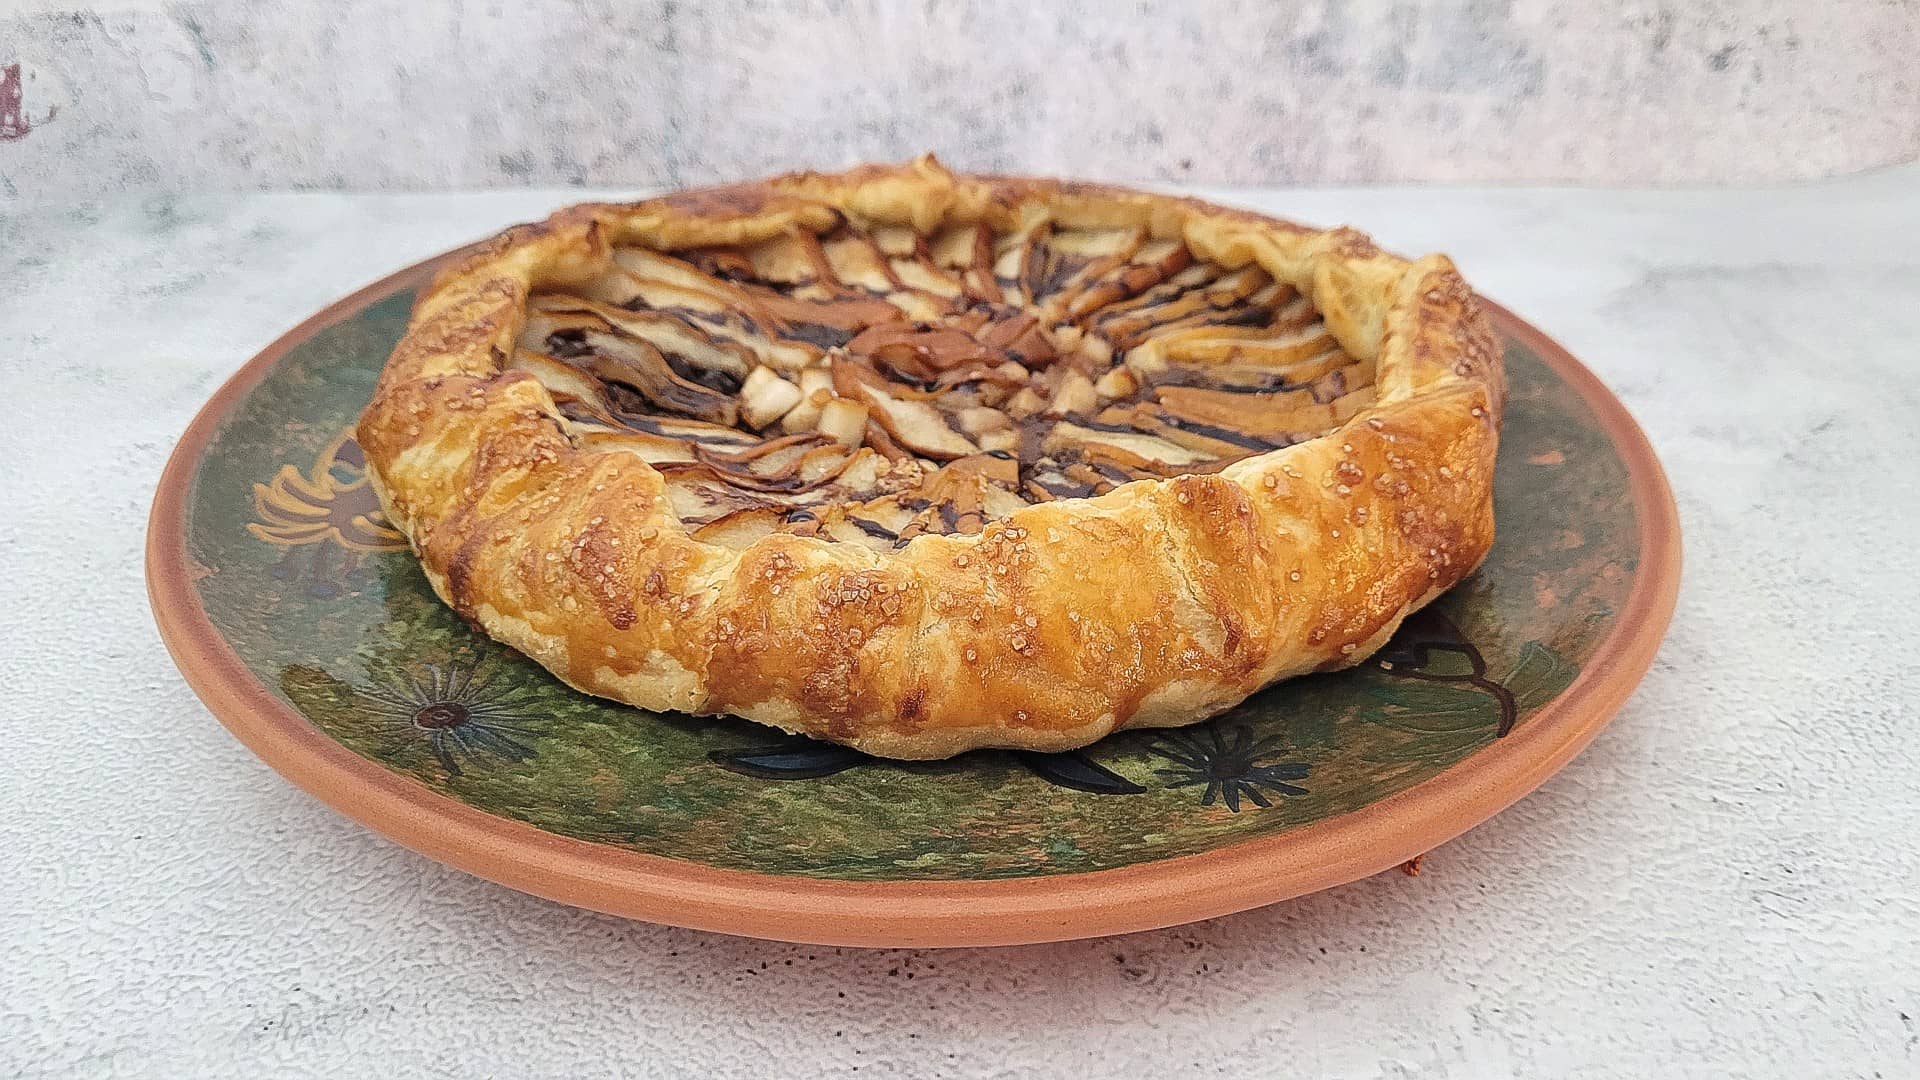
[(1159, 603)]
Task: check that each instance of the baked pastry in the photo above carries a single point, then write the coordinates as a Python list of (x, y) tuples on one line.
[(919, 462)]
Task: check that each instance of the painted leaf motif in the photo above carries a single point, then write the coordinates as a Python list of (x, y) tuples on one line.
[(1539, 677), (1418, 706)]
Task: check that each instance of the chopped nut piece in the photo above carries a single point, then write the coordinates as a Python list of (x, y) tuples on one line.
[(765, 397), (844, 421)]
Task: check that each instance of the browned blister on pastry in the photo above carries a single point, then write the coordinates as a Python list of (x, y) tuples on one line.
[(919, 462)]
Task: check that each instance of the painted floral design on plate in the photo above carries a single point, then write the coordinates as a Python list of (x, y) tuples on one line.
[(321, 601)]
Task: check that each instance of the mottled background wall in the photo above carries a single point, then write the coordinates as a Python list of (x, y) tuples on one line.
[(473, 93)]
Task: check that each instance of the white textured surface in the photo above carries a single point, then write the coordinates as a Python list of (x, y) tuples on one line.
[(156, 95), (1724, 884)]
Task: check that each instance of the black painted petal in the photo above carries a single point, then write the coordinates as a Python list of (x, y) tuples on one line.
[(796, 759), (1231, 789), (1077, 771)]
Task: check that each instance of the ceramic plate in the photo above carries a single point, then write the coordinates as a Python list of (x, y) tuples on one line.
[(299, 617)]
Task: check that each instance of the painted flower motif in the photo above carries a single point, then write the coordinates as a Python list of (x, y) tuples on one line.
[(461, 714), (1233, 767)]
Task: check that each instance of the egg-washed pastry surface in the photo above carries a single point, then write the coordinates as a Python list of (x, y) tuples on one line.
[(919, 463)]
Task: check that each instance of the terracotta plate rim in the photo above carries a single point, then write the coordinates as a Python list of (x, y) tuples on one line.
[(1053, 907)]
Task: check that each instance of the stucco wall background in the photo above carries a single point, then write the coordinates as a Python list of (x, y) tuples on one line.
[(394, 94)]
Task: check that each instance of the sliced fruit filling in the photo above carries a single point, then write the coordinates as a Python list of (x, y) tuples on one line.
[(869, 386)]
